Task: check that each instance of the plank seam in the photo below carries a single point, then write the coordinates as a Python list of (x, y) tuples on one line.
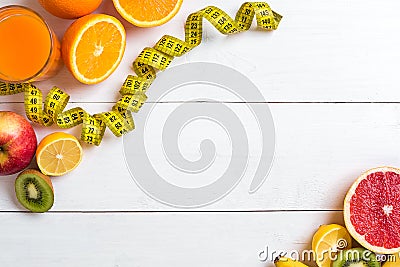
[(183, 212)]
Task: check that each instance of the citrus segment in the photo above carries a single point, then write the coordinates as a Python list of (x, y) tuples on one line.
[(93, 47), (147, 13), (328, 240), (372, 210), (58, 154)]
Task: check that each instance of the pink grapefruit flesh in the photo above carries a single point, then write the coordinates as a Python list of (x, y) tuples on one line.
[(372, 210)]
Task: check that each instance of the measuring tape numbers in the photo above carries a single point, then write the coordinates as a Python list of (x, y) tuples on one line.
[(119, 119)]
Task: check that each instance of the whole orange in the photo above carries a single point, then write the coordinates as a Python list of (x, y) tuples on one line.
[(70, 9)]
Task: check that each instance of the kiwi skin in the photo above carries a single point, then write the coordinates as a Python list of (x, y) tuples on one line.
[(350, 257), (43, 182)]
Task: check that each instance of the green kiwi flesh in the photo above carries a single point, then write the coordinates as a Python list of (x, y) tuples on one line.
[(34, 191), (356, 257)]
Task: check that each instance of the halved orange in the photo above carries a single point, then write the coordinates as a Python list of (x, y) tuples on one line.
[(58, 153), (147, 13), (93, 46)]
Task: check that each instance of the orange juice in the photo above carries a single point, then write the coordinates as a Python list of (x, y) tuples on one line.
[(29, 49)]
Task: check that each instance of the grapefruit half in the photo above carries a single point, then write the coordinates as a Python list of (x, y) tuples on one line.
[(372, 210)]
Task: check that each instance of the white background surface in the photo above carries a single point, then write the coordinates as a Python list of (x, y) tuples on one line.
[(330, 76)]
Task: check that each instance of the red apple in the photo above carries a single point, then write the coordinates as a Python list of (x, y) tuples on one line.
[(17, 143)]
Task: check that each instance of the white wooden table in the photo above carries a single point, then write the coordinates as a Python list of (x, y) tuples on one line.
[(330, 75)]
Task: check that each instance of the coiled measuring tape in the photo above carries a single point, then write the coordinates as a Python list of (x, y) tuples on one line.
[(119, 119)]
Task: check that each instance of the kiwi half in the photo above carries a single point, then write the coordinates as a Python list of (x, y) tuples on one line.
[(34, 191), (356, 257)]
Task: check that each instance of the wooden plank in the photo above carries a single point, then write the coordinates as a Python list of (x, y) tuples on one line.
[(155, 239), (323, 51), (320, 150)]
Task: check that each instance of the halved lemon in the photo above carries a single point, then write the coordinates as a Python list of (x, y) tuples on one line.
[(58, 153), (327, 241), (93, 46)]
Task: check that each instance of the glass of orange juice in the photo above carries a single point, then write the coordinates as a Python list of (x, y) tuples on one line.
[(29, 49)]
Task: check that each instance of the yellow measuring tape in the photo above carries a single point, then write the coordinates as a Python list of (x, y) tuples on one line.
[(120, 120)]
